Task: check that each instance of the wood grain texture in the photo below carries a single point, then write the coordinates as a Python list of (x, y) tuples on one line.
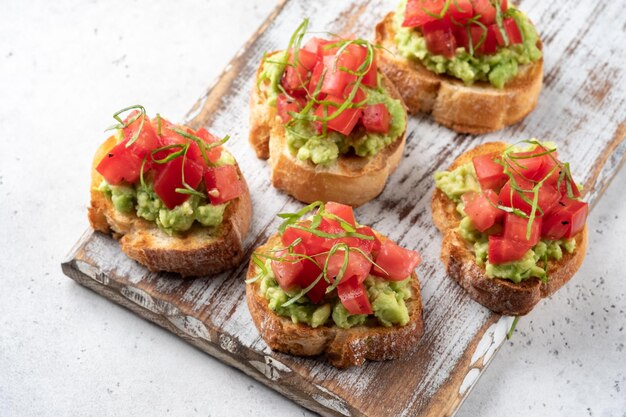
[(582, 109)]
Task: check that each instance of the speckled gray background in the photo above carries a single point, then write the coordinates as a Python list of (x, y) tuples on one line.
[(65, 67)]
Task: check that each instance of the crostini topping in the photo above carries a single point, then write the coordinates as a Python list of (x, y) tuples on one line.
[(468, 39), (526, 200), (168, 172), (329, 96), (329, 259)]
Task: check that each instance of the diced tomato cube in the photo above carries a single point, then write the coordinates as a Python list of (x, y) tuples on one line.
[(418, 12), (512, 32), (342, 211), (395, 262), (516, 228), (354, 298), (295, 77), (486, 10), (288, 270), (358, 266), (215, 152), (502, 250), (314, 82), (460, 11), (120, 165), (376, 118), (483, 40), (170, 177), (490, 174), (285, 105), (566, 220), (370, 79), (441, 42), (345, 121), (315, 45), (548, 196), (482, 209), (222, 183), (147, 139), (526, 164), (335, 78)]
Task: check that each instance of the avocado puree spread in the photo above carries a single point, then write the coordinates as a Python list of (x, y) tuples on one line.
[(148, 205), (386, 297), (306, 144), (463, 179), (498, 68)]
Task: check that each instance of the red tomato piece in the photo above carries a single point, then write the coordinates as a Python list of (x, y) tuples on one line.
[(345, 121), (285, 105), (222, 184), (573, 187), (359, 95), (548, 196), (418, 12), (370, 79), (483, 39), (460, 11), (358, 266), (441, 42), (512, 32), (526, 164), (295, 77), (342, 211), (566, 220), (314, 81), (170, 177), (353, 296), (486, 10), (367, 246), (291, 234), (287, 271), (490, 174), (376, 118), (120, 165), (482, 209), (214, 153), (147, 139), (502, 250), (396, 262), (336, 79), (515, 229), (315, 45)]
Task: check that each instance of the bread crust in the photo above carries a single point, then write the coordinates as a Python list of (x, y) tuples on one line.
[(476, 109), (196, 252), (352, 180), (499, 295), (341, 347)]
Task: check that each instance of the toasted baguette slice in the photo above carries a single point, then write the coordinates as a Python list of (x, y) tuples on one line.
[(197, 252), (475, 109), (499, 295), (352, 180), (342, 347)]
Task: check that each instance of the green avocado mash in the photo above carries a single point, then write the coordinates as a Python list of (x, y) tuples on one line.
[(148, 205), (303, 140), (498, 68), (387, 299), (463, 179)]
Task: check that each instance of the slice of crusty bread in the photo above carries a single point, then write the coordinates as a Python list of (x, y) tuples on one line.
[(499, 295), (196, 252), (342, 347), (351, 180), (478, 108)]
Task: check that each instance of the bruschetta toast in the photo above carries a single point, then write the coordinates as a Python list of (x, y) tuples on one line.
[(173, 197), (325, 285), (475, 65), (513, 224)]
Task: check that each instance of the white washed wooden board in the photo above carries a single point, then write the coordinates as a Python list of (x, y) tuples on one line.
[(582, 108)]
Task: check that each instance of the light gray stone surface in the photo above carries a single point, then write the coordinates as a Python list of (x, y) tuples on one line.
[(65, 67)]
